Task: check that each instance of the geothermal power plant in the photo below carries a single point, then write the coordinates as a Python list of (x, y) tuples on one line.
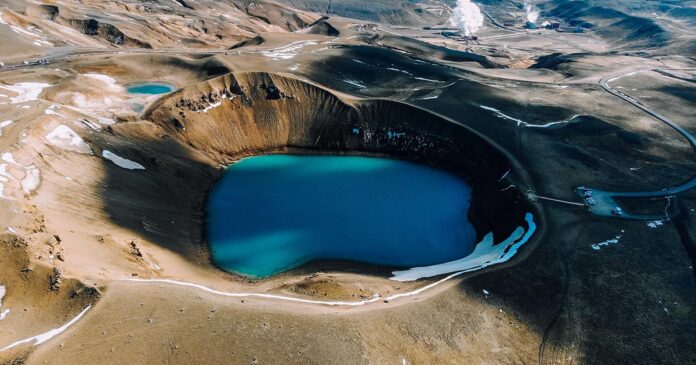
[(347, 182)]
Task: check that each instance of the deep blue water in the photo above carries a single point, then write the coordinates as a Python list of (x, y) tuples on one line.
[(151, 88), (269, 214)]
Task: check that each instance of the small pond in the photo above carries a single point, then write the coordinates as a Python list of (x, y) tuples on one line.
[(150, 88), (269, 214)]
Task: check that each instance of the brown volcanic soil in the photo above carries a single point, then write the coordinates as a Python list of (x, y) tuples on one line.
[(179, 24), (37, 295), (559, 301)]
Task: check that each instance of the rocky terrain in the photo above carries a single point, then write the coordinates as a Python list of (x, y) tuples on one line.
[(103, 191)]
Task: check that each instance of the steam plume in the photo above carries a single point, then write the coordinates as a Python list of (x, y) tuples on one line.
[(467, 17), (532, 12)]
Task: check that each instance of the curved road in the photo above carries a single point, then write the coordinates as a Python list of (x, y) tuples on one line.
[(605, 204)]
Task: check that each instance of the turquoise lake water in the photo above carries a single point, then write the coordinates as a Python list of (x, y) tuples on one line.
[(269, 214), (152, 88)]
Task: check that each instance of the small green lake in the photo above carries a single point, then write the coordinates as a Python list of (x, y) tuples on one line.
[(150, 88)]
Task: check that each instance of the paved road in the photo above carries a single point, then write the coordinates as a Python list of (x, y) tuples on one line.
[(70, 53), (605, 203)]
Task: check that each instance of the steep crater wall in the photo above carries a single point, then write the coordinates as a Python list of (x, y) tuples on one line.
[(238, 115)]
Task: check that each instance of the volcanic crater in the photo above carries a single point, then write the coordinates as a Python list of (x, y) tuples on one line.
[(223, 119)]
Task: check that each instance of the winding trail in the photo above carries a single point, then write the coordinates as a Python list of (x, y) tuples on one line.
[(358, 303), (47, 60), (605, 200), (41, 338)]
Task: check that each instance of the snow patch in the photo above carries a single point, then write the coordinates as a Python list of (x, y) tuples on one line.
[(29, 180), (26, 32), (485, 254), (598, 246), (4, 313), (550, 123), (106, 121), (83, 101), (288, 51), (424, 79), (51, 111), (4, 177), (32, 178), (108, 80), (5, 124), (65, 138), (501, 115), (27, 91), (655, 224), (502, 257), (624, 75), (211, 106), (90, 124), (39, 339), (355, 83), (7, 156), (122, 162), (520, 122), (399, 70)]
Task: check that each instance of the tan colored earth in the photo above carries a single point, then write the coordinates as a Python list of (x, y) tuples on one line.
[(114, 260)]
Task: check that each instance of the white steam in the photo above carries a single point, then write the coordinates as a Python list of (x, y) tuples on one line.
[(532, 12), (467, 17)]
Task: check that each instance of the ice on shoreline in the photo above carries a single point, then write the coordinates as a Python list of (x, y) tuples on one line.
[(497, 254), (485, 254)]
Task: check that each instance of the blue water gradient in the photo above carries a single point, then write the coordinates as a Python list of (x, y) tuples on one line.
[(151, 88), (269, 214)]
